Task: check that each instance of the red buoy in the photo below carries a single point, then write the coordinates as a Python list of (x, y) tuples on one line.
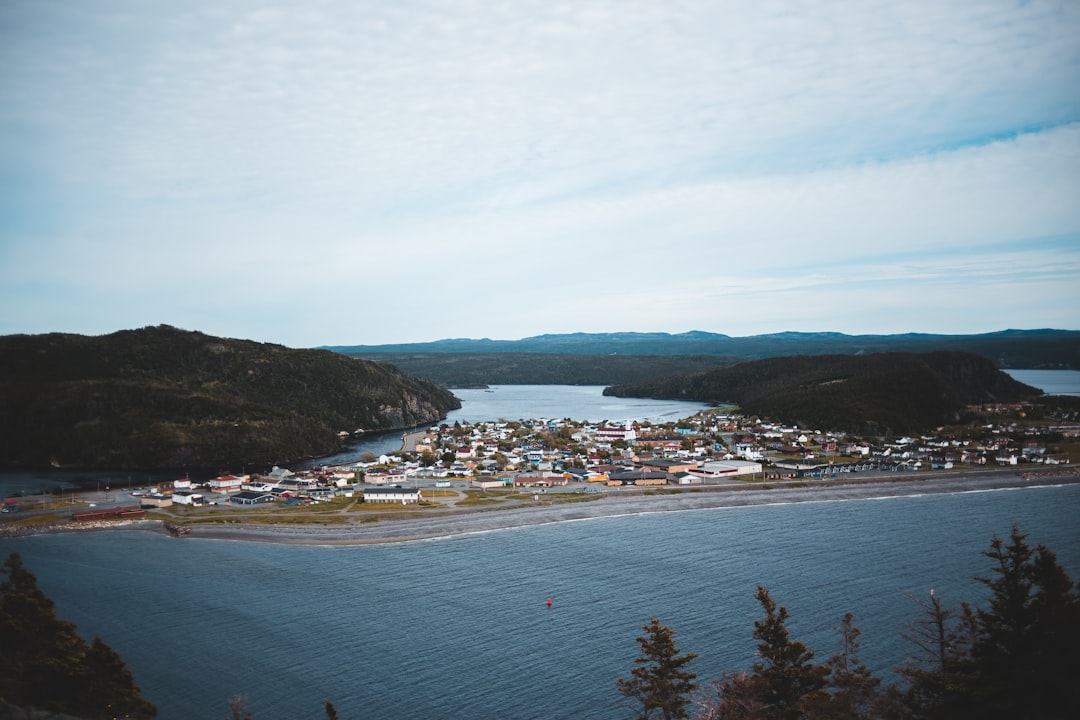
[(549, 602)]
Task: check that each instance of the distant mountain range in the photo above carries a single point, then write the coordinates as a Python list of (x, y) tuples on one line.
[(1007, 348), (163, 398), (607, 358)]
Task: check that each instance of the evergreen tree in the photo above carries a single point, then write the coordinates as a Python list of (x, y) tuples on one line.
[(1012, 659), (939, 676), (40, 656), (658, 680), (734, 698), (45, 664), (855, 693), (1022, 658), (786, 682), (108, 689)]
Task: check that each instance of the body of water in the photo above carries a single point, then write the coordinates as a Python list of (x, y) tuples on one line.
[(459, 627), (576, 402), (1051, 382)]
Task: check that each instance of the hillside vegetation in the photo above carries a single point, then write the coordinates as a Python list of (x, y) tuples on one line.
[(511, 368), (1008, 348), (160, 398), (872, 394)]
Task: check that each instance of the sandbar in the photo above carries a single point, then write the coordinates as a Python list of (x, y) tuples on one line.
[(440, 523), (447, 521)]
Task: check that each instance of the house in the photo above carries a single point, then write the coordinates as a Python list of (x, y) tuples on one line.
[(377, 477), (748, 451), (187, 497), (540, 479), (158, 500), (610, 434), (490, 483), (251, 497), (727, 468), (637, 477), (279, 473), (668, 466), (296, 484), (392, 494), (227, 483)]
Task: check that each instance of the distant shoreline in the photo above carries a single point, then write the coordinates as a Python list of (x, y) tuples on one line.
[(433, 523)]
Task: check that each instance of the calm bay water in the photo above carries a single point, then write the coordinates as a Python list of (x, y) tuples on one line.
[(577, 402), (458, 627), (1051, 382)]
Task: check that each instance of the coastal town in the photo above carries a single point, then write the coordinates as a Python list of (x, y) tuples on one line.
[(544, 459)]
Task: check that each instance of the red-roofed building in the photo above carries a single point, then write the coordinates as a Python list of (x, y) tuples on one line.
[(227, 483)]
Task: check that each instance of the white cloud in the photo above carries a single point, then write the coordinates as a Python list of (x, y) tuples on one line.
[(181, 146)]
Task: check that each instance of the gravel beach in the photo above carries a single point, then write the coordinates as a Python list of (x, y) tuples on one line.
[(444, 522)]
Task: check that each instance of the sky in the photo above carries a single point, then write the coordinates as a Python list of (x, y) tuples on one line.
[(346, 172)]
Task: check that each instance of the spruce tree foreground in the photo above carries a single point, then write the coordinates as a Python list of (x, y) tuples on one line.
[(1012, 659), (46, 665)]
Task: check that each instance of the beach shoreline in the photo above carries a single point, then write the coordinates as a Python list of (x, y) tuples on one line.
[(436, 523), (443, 523)]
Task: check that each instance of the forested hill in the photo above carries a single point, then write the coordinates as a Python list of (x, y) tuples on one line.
[(868, 394), (1007, 348), (160, 398)]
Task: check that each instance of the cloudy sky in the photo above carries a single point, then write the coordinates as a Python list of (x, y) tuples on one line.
[(357, 172)]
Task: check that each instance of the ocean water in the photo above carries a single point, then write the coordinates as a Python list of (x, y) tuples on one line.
[(459, 627), (577, 402), (1051, 382)]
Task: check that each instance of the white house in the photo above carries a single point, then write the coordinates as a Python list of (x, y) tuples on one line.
[(727, 468), (228, 483), (489, 483), (748, 451), (393, 494), (186, 497), (609, 433)]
